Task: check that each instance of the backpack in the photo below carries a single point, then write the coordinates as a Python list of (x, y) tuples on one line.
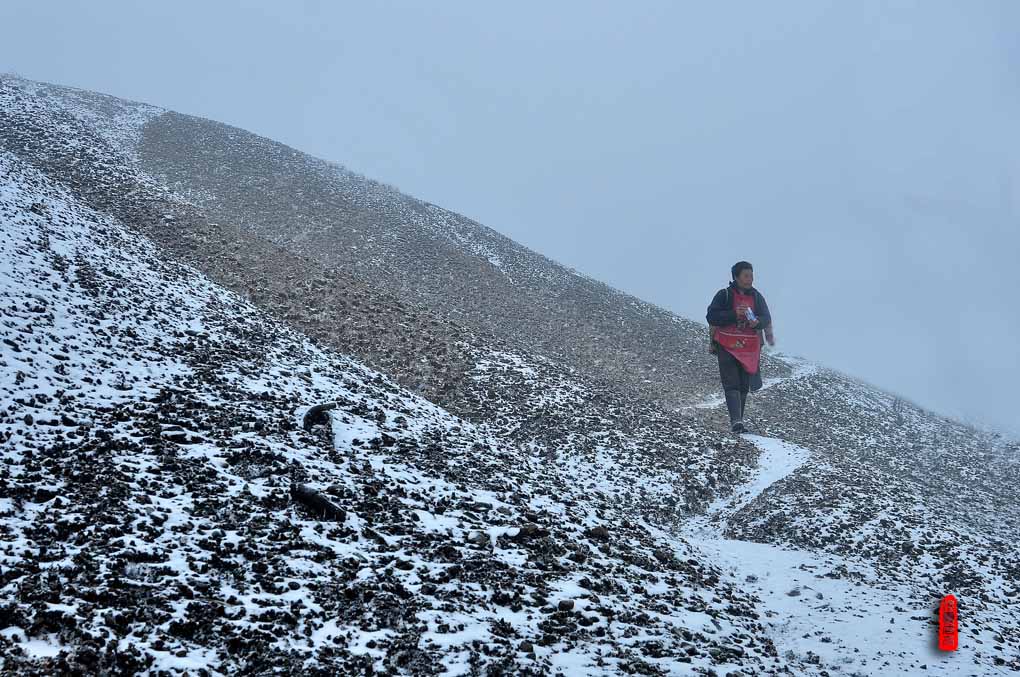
[(713, 347)]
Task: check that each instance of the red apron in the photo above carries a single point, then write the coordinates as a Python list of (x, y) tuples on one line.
[(741, 340)]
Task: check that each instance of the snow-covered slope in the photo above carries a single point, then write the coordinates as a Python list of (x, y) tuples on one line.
[(159, 513), (829, 604), (534, 401), (118, 121), (910, 502), (153, 430), (429, 255)]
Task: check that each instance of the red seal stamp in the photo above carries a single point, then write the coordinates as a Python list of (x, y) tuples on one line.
[(948, 637)]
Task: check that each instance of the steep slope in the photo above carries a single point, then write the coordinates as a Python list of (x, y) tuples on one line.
[(428, 254), (539, 403), (920, 501), (419, 252), (865, 502), (157, 437)]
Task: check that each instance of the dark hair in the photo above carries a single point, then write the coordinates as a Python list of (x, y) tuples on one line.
[(739, 266)]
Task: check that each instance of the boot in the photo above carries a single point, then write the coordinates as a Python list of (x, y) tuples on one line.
[(734, 406), (743, 403)]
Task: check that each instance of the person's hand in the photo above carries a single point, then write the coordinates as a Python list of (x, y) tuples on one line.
[(754, 322), (741, 313)]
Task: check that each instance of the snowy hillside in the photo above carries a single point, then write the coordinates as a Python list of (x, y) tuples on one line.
[(532, 400), (152, 436), (927, 504), (415, 250), (426, 254), (164, 471)]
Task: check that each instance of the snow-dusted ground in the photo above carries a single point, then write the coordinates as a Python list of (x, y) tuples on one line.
[(822, 609), (116, 120), (444, 518), (152, 424)]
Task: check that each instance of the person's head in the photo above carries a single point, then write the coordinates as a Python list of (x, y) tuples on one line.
[(743, 273)]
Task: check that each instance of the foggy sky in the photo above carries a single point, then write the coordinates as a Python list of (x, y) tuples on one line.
[(863, 157)]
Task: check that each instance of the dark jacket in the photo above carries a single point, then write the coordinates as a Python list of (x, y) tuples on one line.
[(721, 314)]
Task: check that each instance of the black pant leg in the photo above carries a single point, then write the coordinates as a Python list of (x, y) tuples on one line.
[(729, 370), (732, 375)]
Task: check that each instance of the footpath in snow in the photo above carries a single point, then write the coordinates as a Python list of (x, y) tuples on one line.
[(833, 624)]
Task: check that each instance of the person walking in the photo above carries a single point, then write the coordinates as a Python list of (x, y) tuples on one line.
[(737, 318)]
